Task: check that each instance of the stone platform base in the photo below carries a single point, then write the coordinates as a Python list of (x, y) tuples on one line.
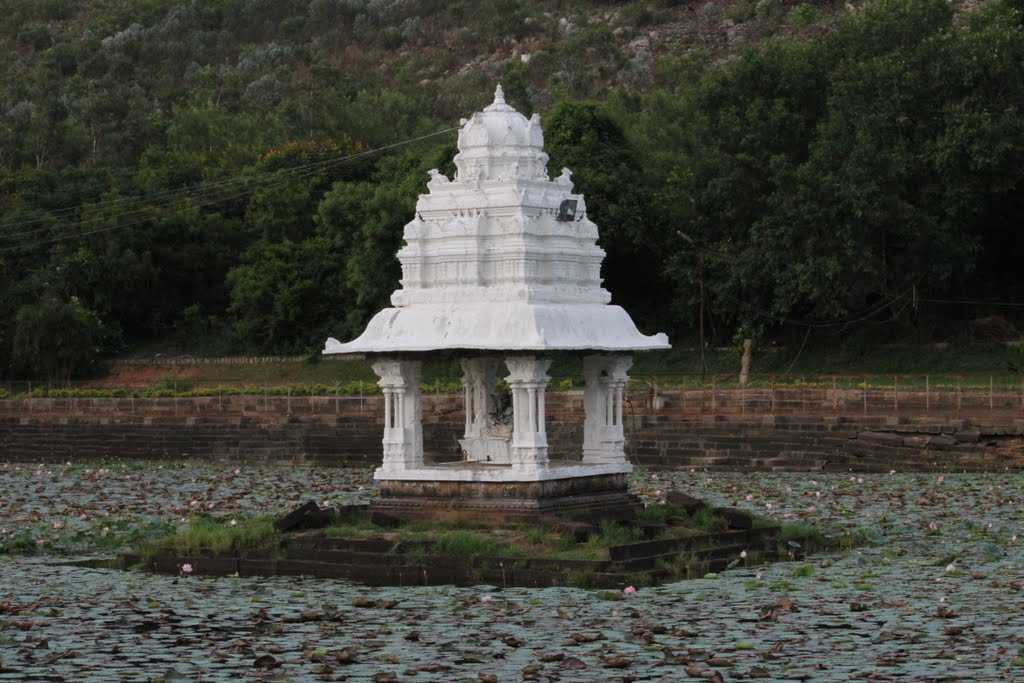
[(587, 498)]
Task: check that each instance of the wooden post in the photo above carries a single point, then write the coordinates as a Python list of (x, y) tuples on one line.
[(960, 397), (991, 395), (896, 393), (700, 278), (703, 394), (927, 395), (864, 394), (835, 396), (771, 395)]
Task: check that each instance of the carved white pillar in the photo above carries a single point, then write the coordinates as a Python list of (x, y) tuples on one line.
[(604, 438), (403, 424), (527, 380)]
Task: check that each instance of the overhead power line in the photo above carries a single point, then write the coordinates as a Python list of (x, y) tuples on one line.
[(205, 194), (972, 302)]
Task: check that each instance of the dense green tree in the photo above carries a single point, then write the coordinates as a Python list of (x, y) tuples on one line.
[(286, 296), (56, 338), (179, 168), (822, 179), (584, 138), (365, 221)]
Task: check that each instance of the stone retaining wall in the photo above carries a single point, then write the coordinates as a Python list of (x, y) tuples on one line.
[(671, 430)]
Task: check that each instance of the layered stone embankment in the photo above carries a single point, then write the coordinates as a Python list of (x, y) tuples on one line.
[(781, 429)]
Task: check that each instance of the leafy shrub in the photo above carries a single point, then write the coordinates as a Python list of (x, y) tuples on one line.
[(768, 8), (172, 384), (58, 338), (741, 11), (640, 14), (36, 36), (803, 15)]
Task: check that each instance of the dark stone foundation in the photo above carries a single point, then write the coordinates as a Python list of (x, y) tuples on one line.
[(588, 498)]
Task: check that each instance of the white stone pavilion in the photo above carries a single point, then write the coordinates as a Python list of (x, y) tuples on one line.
[(501, 267)]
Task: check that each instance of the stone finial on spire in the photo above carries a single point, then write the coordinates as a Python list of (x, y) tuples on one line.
[(499, 95)]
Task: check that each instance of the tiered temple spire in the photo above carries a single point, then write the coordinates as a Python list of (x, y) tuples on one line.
[(501, 265)]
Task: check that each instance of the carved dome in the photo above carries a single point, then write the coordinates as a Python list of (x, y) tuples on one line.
[(500, 125), (499, 143)]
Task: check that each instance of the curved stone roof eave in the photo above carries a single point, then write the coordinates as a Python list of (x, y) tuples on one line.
[(505, 328)]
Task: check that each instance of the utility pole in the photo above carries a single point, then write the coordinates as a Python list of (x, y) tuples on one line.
[(700, 279), (700, 282)]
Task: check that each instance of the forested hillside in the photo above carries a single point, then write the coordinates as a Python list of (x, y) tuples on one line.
[(204, 173)]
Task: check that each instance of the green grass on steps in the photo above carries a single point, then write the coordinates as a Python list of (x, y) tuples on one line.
[(214, 536)]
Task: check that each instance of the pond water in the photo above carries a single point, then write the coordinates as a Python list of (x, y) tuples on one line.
[(937, 595)]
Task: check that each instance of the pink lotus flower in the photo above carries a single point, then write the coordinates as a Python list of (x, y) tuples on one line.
[(933, 526), (750, 497), (941, 478), (486, 598), (629, 590), (186, 568), (56, 525), (40, 541)]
